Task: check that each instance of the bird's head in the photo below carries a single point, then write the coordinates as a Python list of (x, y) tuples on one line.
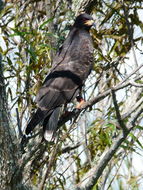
[(84, 21)]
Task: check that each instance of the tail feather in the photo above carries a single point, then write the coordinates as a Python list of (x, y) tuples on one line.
[(50, 125), (36, 119)]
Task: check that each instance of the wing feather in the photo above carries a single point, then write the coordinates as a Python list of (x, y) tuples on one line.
[(66, 78), (60, 91)]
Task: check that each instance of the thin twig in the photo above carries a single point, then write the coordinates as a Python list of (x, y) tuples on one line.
[(134, 107), (118, 115), (19, 124), (92, 176), (116, 172), (50, 164), (69, 148), (136, 84), (130, 34)]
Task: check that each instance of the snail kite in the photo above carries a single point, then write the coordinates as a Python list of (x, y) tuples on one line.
[(71, 67)]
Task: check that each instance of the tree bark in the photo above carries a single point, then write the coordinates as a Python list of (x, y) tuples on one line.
[(7, 161), (9, 152)]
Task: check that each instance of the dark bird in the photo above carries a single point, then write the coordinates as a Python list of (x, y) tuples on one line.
[(71, 67)]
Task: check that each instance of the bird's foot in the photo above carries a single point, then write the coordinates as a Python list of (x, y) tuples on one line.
[(81, 102)]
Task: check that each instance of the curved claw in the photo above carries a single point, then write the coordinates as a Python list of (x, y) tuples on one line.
[(81, 102)]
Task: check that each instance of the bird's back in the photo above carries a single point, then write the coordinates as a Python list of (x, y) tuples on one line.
[(79, 55)]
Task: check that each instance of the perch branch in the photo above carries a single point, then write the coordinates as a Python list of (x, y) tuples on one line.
[(101, 96), (92, 176)]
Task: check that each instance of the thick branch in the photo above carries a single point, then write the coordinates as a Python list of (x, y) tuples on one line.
[(8, 151), (92, 176)]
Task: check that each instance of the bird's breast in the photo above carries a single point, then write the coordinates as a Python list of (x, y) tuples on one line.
[(78, 58)]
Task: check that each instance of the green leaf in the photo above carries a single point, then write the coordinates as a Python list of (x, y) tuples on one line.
[(136, 140), (32, 53), (46, 22), (139, 127)]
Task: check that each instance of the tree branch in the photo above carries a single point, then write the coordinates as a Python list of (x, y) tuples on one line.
[(50, 164), (130, 33), (18, 123), (118, 116), (135, 107), (92, 176), (100, 97)]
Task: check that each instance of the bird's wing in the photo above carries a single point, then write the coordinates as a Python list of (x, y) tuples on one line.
[(65, 79), (62, 52), (62, 84), (61, 87)]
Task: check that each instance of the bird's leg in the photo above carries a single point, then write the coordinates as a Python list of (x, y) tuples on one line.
[(81, 102)]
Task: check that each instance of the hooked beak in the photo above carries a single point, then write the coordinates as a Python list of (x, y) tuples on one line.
[(89, 23)]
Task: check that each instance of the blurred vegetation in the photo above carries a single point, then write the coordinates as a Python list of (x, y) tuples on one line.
[(31, 33)]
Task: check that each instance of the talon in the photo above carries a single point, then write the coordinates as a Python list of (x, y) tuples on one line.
[(81, 102)]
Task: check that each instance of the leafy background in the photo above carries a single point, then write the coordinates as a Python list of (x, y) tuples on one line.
[(31, 33)]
